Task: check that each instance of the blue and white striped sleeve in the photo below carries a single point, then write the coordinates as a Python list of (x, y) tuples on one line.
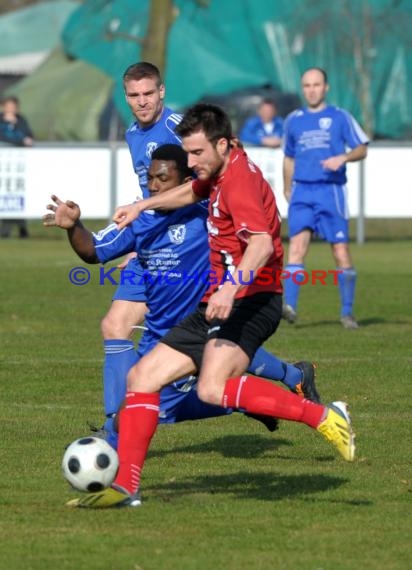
[(111, 243), (354, 135)]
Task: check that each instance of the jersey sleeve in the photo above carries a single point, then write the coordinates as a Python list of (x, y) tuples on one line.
[(353, 134), (111, 243), (248, 132), (278, 128), (246, 206), (289, 146), (171, 123)]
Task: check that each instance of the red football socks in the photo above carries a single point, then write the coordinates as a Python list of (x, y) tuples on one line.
[(137, 425), (258, 396), (139, 419)]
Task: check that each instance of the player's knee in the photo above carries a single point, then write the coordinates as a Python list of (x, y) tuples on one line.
[(113, 328), (106, 327), (297, 252), (342, 255), (145, 376), (132, 379), (209, 394)]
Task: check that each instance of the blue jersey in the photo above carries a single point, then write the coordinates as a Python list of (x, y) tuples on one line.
[(253, 130), (143, 141), (173, 251), (311, 137)]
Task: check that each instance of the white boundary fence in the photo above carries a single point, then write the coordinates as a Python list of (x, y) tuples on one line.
[(100, 177)]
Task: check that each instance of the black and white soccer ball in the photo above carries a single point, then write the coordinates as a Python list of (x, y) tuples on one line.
[(90, 464)]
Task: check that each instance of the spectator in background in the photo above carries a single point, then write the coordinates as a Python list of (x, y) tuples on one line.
[(14, 130), (265, 128)]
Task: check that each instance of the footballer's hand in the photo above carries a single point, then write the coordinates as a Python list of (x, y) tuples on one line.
[(333, 163), (220, 305), (64, 214), (125, 215), (271, 142), (126, 260)]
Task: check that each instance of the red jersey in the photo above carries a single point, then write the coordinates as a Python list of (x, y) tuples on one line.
[(241, 202)]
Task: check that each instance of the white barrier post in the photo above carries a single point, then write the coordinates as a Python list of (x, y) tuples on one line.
[(360, 221)]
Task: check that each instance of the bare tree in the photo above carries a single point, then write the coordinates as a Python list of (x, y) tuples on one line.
[(162, 14), (161, 17), (11, 5)]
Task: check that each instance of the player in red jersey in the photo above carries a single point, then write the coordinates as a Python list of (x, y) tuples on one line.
[(234, 216), (238, 313)]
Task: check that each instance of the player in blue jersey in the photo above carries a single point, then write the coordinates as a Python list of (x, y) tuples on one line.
[(173, 251), (155, 123), (154, 126), (316, 142)]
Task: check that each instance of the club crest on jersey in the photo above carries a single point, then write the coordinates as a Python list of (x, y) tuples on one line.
[(325, 123), (177, 233), (150, 147)]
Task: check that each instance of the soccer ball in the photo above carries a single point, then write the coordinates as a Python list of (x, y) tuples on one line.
[(90, 464)]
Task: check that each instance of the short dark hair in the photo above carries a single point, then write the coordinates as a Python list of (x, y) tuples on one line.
[(10, 99), (175, 153), (320, 69), (142, 70), (267, 101), (210, 119)]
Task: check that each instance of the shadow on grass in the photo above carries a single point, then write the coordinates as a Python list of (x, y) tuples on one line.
[(243, 446), (363, 323), (262, 486)]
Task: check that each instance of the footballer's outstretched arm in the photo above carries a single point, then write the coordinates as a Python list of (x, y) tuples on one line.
[(66, 215), (178, 197), (81, 240)]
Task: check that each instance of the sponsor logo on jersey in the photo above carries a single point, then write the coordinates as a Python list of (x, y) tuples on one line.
[(177, 233), (325, 123), (150, 147)]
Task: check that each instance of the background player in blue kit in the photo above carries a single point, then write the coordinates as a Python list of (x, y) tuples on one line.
[(154, 126), (172, 246), (316, 140)]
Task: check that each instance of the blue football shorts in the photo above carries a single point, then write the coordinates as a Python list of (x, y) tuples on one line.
[(133, 288), (321, 208)]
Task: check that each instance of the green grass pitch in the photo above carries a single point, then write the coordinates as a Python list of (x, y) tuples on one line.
[(221, 493)]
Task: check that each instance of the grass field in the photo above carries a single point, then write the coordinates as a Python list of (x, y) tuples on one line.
[(222, 493)]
